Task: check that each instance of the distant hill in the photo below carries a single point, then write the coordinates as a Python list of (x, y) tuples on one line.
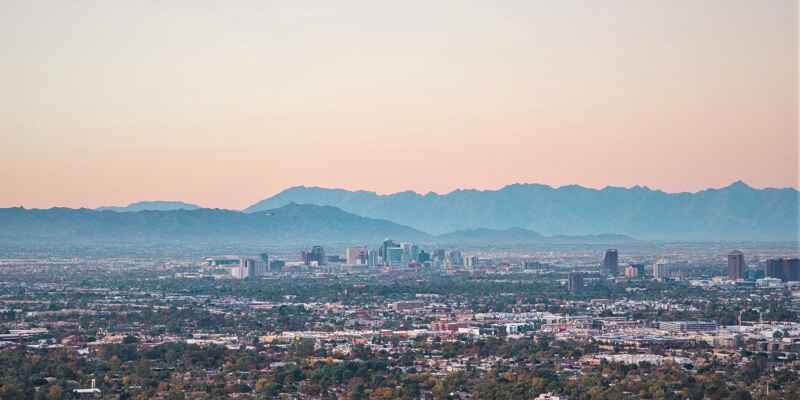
[(485, 236), (292, 223), (735, 212), (152, 206)]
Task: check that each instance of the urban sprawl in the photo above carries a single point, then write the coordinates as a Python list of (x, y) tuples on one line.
[(404, 321)]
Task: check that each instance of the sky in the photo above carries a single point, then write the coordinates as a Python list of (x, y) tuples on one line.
[(224, 103)]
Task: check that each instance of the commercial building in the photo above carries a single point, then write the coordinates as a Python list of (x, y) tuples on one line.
[(315, 256), (358, 255), (670, 270), (575, 282), (688, 326), (455, 259), (249, 268), (611, 262), (393, 256), (785, 269), (634, 271), (374, 258), (736, 266)]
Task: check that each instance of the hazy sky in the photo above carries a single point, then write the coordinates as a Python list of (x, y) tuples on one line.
[(223, 103)]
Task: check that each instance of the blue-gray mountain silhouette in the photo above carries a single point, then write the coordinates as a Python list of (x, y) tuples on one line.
[(291, 223), (151, 206), (735, 212)]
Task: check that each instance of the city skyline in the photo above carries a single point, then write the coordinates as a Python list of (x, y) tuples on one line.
[(449, 200), (107, 104)]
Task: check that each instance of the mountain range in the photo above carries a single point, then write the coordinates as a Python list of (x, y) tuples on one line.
[(734, 212), (292, 224), (515, 214), (152, 206)]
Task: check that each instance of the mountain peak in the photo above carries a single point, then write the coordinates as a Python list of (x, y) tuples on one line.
[(739, 184)]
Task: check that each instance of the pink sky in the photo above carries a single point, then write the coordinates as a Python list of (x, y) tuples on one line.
[(222, 106)]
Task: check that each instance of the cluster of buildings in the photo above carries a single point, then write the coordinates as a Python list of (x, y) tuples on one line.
[(246, 267), (390, 254), (772, 271), (781, 269)]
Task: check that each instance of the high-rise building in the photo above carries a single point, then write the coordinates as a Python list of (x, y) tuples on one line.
[(357, 255), (611, 262), (247, 268), (408, 255), (387, 243), (639, 269), (262, 268), (575, 282), (791, 269), (394, 256), (455, 258), (374, 259), (669, 270), (785, 269), (424, 256), (315, 255), (773, 268), (736, 265)]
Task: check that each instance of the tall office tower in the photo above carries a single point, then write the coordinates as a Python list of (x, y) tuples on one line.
[(455, 258), (660, 270), (245, 269), (791, 269), (407, 257), (262, 267), (373, 259), (423, 256), (575, 282), (316, 254), (357, 255), (735, 265), (383, 252), (774, 268), (319, 254), (394, 256), (611, 262)]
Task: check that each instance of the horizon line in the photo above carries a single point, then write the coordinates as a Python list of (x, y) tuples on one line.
[(429, 193)]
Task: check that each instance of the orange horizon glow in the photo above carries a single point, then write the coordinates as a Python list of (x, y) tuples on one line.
[(224, 105)]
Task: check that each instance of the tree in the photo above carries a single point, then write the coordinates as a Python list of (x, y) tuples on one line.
[(55, 392)]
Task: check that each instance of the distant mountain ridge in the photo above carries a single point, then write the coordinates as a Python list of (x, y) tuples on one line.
[(152, 206), (734, 212), (290, 224)]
